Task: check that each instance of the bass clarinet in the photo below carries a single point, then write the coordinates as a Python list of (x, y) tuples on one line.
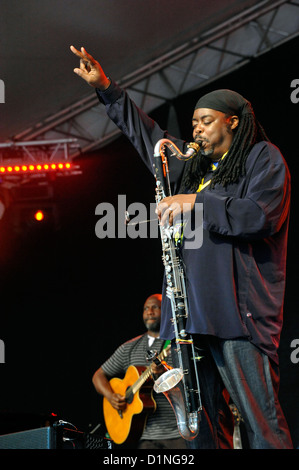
[(179, 385)]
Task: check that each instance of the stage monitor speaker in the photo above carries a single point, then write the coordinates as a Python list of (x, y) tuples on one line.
[(53, 437), (41, 438)]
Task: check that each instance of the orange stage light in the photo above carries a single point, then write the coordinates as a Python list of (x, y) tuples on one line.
[(22, 168), (39, 216)]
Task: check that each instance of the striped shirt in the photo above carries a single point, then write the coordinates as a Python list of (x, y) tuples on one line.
[(162, 423)]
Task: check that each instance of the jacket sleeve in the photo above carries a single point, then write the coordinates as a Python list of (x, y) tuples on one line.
[(264, 206), (142, 131)]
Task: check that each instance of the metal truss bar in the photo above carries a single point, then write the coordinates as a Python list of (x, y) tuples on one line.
[(29, 154), (71, 134), (167, 82), (257, 24), (186, 73), (148, 93), (266, 31), (223, 53), (241, 15), (36, 142), (99, 142), (145, 93), (63, 113), (45, 146), (82, 133), (227, 51), (189, 71)]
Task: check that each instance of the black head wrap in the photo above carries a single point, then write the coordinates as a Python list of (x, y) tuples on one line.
[(226, 101)]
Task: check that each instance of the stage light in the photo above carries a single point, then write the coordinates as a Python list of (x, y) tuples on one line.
[(39, 216), (38, 167)]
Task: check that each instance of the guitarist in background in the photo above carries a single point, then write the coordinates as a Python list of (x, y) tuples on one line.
[(160, 431)]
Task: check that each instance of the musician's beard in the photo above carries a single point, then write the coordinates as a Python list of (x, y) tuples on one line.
[(153, 326), (207, 153)]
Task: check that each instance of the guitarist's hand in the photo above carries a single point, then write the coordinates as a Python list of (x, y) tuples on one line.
[(157, 370), (118, 401), (103, 387)]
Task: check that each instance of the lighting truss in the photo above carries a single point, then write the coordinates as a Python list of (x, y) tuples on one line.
[(37, 158)]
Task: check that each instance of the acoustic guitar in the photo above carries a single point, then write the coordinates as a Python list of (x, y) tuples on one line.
[(137, 387)]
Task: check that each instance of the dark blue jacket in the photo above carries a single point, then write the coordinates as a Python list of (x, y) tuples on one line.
[(236, 279)]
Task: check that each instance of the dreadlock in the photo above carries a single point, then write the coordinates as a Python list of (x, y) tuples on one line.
[(232, 167), (195, 170)]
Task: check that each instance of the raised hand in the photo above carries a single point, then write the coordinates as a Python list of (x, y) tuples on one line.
[(90, 70)]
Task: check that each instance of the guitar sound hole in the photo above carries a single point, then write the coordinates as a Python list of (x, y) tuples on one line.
[(129, 395)]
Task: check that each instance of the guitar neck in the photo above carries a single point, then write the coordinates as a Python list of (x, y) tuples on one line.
[(145, 374)]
